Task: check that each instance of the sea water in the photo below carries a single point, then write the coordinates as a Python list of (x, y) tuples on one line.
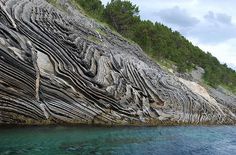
[(60, 140)]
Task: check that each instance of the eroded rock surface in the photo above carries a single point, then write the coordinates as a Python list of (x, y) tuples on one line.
[(62, 67)]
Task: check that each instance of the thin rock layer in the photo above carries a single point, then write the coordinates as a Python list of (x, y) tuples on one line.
[(58, 66)]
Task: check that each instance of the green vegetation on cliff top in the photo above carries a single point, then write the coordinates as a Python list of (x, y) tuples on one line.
[(159, 41)]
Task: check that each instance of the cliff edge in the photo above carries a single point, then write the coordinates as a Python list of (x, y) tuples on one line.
[(59, 66)]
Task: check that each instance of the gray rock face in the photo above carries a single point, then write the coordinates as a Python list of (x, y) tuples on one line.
[(224, 97), (61, 67), (197, 74)]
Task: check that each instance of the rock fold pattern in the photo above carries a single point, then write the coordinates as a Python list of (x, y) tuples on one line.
[(59, 66)]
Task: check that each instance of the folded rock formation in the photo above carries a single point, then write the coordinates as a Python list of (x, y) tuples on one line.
[(59, 66)]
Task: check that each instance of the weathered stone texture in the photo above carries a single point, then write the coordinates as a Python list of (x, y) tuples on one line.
[(62, 67)]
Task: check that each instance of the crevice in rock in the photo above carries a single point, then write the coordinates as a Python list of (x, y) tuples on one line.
[(7, 16), (37, 72)]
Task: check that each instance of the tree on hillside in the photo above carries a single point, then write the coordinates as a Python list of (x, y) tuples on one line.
[(92, 7), (121, 15), (145, 35)]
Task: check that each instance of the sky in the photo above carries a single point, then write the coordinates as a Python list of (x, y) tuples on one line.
[(208, 24)]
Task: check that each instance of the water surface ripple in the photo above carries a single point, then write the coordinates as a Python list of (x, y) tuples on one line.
[(201, 140)]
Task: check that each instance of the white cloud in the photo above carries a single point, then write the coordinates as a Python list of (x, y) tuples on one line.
[(218, 18), (177, 16), (214, 29), (233, 66)]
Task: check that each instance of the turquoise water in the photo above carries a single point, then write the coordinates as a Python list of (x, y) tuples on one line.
[(218, 140)]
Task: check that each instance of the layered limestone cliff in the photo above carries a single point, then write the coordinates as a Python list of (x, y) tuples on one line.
[(58, 66)]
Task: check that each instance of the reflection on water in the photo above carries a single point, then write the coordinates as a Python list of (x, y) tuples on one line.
[(118, 140)]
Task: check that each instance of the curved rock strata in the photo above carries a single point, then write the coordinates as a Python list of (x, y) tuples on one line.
[(62, 67)]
